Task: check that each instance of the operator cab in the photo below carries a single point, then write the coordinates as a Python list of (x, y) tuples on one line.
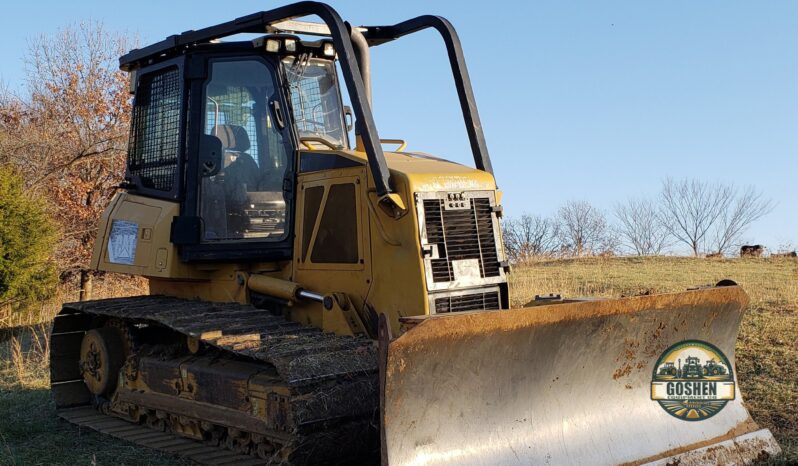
[(240, 169), (245, 198), (222, 131)]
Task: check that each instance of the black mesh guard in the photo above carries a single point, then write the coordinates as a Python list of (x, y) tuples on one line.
[(155, 131), (461, 234), (470, 302)]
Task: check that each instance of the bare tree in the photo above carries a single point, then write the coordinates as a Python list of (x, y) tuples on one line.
[(704, 215), (67, 134), (640, 227), (747, 206), (690, 209), (529, 236), (583, 229)]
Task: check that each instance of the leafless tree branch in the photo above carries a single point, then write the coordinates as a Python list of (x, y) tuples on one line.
[(640, 227), (690, 208), (530, 236), (583, 229)]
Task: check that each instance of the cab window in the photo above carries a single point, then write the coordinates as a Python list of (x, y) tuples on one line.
[(315, 100), (243, 199)]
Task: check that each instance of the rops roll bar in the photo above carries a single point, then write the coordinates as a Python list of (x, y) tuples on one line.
[(339, 31)]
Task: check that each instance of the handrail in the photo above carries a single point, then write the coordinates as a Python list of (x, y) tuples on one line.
[(318, 139), (401, 142)]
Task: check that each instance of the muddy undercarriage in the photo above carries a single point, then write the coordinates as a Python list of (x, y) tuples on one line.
[(228, 375)]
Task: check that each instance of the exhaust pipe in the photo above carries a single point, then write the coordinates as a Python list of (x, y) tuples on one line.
[(363, 57)]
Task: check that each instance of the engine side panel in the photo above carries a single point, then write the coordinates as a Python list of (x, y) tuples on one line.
[(134, 238)]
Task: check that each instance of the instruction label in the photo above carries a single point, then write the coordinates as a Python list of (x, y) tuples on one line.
[(122, 242)]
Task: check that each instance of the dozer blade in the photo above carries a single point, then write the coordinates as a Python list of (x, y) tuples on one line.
[(560, 384)]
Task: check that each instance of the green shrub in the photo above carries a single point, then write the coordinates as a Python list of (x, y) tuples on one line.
[(27, 237)]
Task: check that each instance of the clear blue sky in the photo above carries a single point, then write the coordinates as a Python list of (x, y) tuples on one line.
[(579, 100)]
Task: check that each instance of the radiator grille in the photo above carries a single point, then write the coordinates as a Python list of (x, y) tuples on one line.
[(469, 302), (461, 234)]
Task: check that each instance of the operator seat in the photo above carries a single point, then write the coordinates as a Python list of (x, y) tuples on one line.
[(237, 163), (240, 175), (224, 195)]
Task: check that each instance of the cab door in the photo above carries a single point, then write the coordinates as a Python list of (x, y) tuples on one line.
[(241, 176)]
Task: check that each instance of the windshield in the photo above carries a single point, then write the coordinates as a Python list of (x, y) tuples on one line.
[(316, 103)]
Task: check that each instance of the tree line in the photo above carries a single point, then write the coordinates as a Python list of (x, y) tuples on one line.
[(63, 141), (700, 216)]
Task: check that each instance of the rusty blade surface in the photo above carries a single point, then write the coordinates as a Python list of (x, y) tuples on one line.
[(559, 384)]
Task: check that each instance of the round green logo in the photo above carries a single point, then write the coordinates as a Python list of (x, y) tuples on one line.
[(692, 380)]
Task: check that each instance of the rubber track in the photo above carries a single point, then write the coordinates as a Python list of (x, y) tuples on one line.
[(334, 377)]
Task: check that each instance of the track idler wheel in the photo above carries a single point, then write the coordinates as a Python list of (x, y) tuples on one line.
[(102, 354)]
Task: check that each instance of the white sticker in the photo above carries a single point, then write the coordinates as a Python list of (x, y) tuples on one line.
[(466, 269), (122, 243)]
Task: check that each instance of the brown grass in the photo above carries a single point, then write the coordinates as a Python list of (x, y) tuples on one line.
[(30, 431), (110, 285)]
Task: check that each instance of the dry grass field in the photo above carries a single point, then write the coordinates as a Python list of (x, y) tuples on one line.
[(767, 353)]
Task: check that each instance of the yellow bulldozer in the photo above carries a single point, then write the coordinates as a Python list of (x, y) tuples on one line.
[(318, 300)]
